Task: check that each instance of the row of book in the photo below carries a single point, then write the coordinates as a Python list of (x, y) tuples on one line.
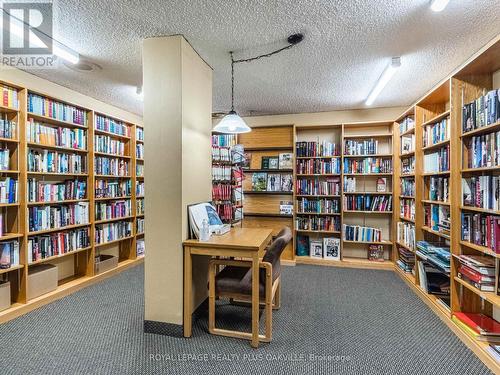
[(112, 231), (318, 166), (4, 159), (8, 128), (109, 125), (41, 191), (406, 260), (53, 217), (318, 206), (407, 208), (113, 209), (48, 135), (326, 248), (8, 190), (9, 254), (56, 162), (139, 207), (224, 140), (221, 153), (139, 188), (59, 111), (439, 189), (408, 165), (437, 218), (368, 202), (478, 271), (363, 147), (318, 223), (482, 328), (139, 151), (140, 225), (113, 189), (407, 143), (222, 192), (406, 234), (282, 161), (10, 97), (408, 187), (350, 185), (481, 229), (316, 149), (437, 132), (111, 166), (368, 165), (483, 111), (141, 247), (54, 244), (329, 186), (483, 150), (272, 182), (406, 124), (222, 172), (436, 254), (225, 211), (481, 192), (437, 161), (361, 233), (139, 134), (109, 145), (139, 170)]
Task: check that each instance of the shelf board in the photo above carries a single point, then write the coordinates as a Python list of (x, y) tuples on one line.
[(113, 198), (405, 247), (5, 109), (268, 170), (368, 174), (488, 296), (48, 259), (268, 192), (317, 196), (57, 202), (442, 173), (317, 231), (477, 209), (280, 148), (407, 154), (383, 242), (436, 145), (407, 275), (113, 219), (480, 248), (58, 174), (140, 215), (53, 121), (103, 132), (317, 174), (318, 157), (140, 141), (369, 156), (483, 130), (346, 263), (9, 140), (368, 193), (9, 204), (406, 197), (139, 234), (112, 242), (407, 219), (136, 197), (111, 176), (428, 201), (367, 212), (10, 236), (9, 171), (262, 214), (481, 169), (318, 213), (409, 131), (368, 136), (68, 227), (429, 230), (52, 147), (139, 159), (437, 118), (386, 264), (10, 269), (403, 175), (111, 155)]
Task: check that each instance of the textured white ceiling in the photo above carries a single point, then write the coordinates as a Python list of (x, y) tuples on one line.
[(347, 45)]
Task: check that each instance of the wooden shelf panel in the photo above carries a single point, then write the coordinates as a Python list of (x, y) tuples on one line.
[(268, 192), (481, 169), (482, 249), (407, 219), (408, 132), (318, 214), (10, 236), (317, 196), (48, 259), (383, 242), (436, 145), (68, 227), (485, 129), (405, 247), (57, 148), (47, 203), (317, 157), (57, 174), (442, 173), (317, 231), (428, 201), (481, 210), (113, 242), (407, 154), (345, 263), (437, 118), (491, 297), (116, 198), (368, 136), (112, 155), (369, 156), (367, 212), (368, 193), (5, 109), (124, 218), (268, 170), (11, 269), (260, 214), (317, 174), (52, 121), (9, 140), (114, 135), (429, 230), (368, 174)]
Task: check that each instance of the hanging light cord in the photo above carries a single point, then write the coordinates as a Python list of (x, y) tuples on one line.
[(233, 61)]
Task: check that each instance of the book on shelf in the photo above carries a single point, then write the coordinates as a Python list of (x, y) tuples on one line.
[(221, 192), (8, 190), (221, 153), (432, 280), (481, 192), (406, 124), (286, 182), (308, 186), (54, 244), (349, 184), (106, 210), (437, 218), (406, 234), (316, 249), (110, 125), (437, 161), (286, 208), (247, 160), (139, 188), (104, 165), (42, 106), (407, 208), (112, 189), (382, 184), (439, 189), (139, 134), (318, 223), (259, 181), (8, 128), (9, 254), (331, 248), (302, 245), (112, 231), (285, 160), (140, 207), (407, 143), (223, 140), (140, 225), (273, 182), (139, 169), (482, 264), (435, 254), (481, 229), (408, 165), (139, 151), (318, 206), (478, 326), (4, 159), (483, 151), (318, 166), (368, 165), (140, 247), (361, 147), (54, 217), (109, 145), (221, 172), (361, 233), (225, 211), (436, 132), (369, 202), (10, 97), (482, 282), (376, 253), (317, 149), (50, 135), (408, 186), (481, 112), (56, 162), (406, 260), (42, 191), (270, 162)]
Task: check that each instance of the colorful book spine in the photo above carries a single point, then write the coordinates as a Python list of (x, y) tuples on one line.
[(54, 244), (406, 234), (41, 191), (361, 233), (317, 149), (362, 148), (318, 206), (437, 132), (481, 112), (113, 189), (111, 166), (109, 125), (59, 111), (53, 217), (8, 190), (329, 186), (368, 165), (113, 209), (481, 229), (318, 166), (56, 162), (315, 223), (49, 135), (112, 231), (109, 145), (10, 97), (369, 202)]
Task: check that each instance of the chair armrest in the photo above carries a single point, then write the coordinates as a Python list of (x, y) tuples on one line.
[(241, 263)]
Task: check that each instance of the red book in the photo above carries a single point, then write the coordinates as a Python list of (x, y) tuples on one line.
[(480, 323), (497, 235), (475, 276)]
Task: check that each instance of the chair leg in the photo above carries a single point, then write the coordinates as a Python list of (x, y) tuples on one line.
[(269, 308), (277, 297), (211, 298)]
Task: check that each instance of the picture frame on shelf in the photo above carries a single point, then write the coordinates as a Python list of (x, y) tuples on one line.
[(316, 249), (331, 248)]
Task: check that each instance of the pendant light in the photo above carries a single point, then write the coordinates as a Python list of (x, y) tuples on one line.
[(232, 123)]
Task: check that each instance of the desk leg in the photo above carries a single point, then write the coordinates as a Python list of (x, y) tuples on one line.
[(188, 290), (255, 300)]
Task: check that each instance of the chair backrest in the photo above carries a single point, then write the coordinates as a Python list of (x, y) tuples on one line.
[(274, 251)]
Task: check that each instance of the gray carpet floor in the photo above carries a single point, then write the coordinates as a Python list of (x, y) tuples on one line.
[(333, 321)]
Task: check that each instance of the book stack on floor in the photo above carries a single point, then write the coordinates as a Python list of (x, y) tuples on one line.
[(480, 327), (406, 260), (478, 271)]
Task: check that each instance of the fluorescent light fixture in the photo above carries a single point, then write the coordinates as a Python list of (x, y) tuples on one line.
[(439, 5), (384, 79), (232, 124)]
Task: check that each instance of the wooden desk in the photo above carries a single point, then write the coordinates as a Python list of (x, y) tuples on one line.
[(239, 243)]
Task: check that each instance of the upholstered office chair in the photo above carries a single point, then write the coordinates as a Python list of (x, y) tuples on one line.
[(235, 282)]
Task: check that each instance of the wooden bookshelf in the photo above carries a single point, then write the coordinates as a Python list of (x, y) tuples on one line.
[(76, 267)]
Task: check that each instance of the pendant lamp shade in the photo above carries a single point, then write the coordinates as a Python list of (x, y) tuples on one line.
[(232, 124)]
